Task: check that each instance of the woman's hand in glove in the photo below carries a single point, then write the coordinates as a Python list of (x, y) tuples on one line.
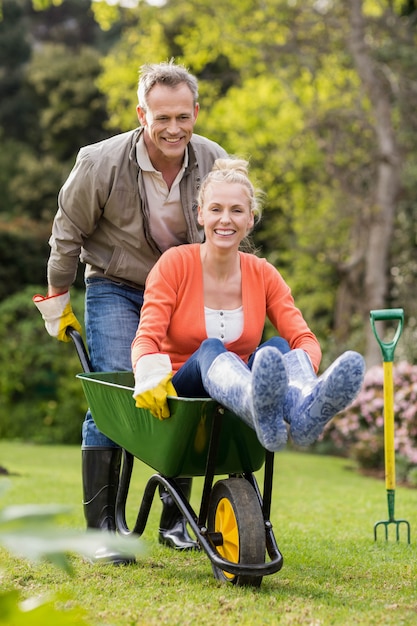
[(153, 384)]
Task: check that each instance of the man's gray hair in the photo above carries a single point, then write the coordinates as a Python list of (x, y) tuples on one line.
[(167, 73)]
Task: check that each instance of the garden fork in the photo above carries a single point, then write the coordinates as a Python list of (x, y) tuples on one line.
[(388, 349)]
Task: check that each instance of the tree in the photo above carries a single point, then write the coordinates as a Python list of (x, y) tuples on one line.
[(321, 97), (55, 106), (386, 190), (15, 108), (322, 116), (72, 110), (353, 125)]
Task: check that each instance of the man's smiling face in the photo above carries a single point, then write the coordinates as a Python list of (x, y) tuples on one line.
[(168, 121)]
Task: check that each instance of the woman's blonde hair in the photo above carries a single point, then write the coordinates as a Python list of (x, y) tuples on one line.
[(233, 170)]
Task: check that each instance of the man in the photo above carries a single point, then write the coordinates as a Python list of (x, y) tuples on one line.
[(127, 200)]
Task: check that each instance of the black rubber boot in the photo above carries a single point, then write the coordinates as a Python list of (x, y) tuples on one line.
[(101, 470), (173, 526)]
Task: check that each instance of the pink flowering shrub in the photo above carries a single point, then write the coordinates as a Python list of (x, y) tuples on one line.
[(358, 431)]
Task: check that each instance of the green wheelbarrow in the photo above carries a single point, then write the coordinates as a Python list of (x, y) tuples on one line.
[(201, 438)]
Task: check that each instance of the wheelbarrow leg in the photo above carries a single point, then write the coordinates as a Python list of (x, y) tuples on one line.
[(172, 526)]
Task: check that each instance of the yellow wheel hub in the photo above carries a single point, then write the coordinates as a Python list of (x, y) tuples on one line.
[(226, 524)]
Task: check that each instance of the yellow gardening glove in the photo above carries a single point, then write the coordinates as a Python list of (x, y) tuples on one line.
[(57, 314), (153, 384), (156, 399)]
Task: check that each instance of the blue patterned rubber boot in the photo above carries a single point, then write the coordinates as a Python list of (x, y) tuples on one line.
[(313, 401), (233, 384), (269, 389)]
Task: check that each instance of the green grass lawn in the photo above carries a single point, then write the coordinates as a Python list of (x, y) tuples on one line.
[(323, 514)]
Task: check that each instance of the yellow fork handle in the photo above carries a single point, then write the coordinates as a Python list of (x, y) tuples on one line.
[(389, 425)]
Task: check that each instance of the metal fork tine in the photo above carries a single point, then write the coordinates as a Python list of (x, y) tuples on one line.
[(397, 524)]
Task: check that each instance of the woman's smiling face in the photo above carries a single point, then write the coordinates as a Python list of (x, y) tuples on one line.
[(226, 215)]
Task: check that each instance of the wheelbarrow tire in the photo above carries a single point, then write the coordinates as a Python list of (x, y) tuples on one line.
[(234, 512)]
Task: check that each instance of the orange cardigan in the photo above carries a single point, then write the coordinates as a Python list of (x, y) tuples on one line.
[(172, 319)]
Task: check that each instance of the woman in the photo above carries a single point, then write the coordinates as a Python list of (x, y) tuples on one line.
[(202, 321)]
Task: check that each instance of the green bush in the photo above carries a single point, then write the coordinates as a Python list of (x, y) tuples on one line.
[(40, 398), (22, 257)]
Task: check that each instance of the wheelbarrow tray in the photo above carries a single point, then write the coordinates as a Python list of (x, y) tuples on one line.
[(177, 446)]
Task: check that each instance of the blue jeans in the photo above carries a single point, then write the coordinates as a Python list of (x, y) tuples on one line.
[(112, 312), (188, 381)]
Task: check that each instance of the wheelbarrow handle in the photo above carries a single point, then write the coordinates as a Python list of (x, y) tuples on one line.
[(80, 348), (383, 315)]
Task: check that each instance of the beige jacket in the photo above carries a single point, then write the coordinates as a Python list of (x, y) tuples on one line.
[(103, 220)]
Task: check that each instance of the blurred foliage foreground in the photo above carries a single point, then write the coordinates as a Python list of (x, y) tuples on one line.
[(31, 531)]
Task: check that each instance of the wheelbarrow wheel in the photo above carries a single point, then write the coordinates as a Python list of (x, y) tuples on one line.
[(235, 517)]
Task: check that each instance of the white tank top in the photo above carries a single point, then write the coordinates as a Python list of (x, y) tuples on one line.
[(223, 324)]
